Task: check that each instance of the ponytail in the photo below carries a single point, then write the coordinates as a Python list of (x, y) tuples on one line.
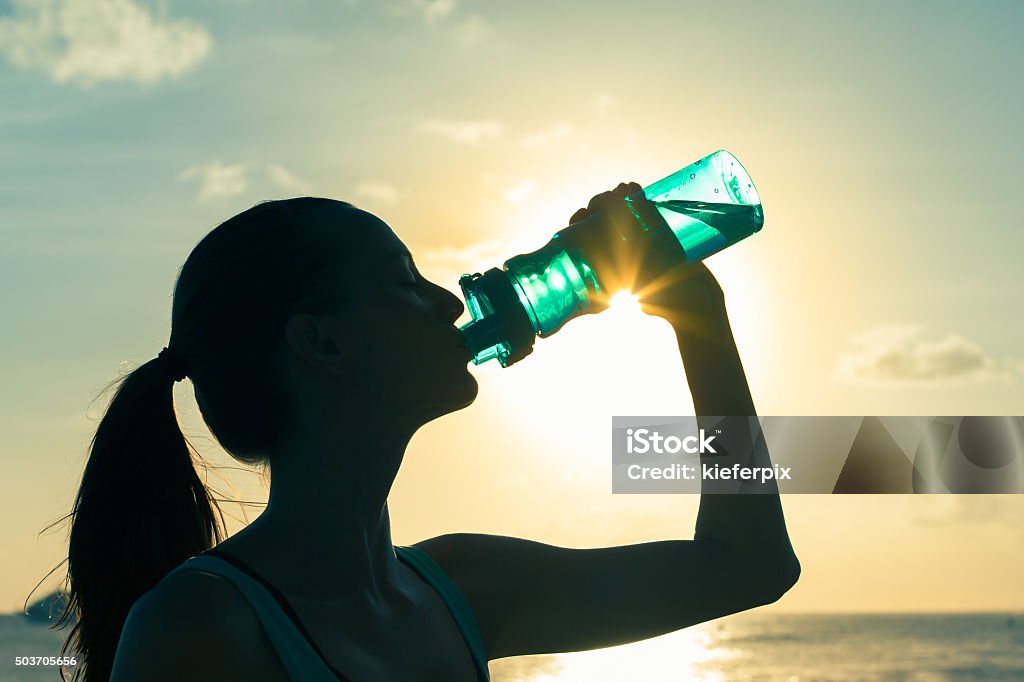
[(140, 511), (141, 508)]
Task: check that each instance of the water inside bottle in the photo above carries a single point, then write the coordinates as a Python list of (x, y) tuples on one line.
[(704, 228)]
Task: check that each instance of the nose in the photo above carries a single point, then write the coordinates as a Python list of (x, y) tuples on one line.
[(451, 304)]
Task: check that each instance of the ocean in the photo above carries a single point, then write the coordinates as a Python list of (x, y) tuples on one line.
[(746, 647)]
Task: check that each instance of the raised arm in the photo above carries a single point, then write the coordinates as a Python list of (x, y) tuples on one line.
[(531, 598), (751, 525), (690, 299)]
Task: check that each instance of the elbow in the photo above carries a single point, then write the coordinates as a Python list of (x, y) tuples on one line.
[(780, 577), (758, 578)]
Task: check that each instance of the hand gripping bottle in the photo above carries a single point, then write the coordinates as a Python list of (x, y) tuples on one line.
[(683, 218)]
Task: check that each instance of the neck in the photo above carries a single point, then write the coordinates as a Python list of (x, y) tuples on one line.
[(326, 532)]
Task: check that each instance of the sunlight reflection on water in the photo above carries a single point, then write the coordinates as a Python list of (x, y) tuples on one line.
[(684, 655), (765, 647)]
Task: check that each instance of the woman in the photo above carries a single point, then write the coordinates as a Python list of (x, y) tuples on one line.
[(316, 347)]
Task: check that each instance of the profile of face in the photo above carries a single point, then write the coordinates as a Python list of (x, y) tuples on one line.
[(392, 347)]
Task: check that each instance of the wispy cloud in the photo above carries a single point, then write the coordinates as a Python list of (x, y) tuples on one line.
[(474, 30), (466, 29), (285, 179), (445, 264), (603, 102), (520, 191), (544, 138), (429, 10), (218, 180), (463, 132), (946, 510), (89, 41), (895, 355), (380, 191)]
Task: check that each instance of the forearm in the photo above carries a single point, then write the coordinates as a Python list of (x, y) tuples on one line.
[(750, 523)]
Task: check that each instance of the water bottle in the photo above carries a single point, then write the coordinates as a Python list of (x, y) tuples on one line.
[(683, 218)]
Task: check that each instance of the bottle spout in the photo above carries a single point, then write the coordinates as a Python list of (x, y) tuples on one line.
[(479, 335), (500, 327)]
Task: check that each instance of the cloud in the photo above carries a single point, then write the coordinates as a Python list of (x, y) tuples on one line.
[(543, 138), (466, 29), (89, 41), (219, 180), (380, 191), (944, 510), (520, 191), (445, 264), (432, 10), (894, 355), (474, 30), (285, 179), (463, 132), (603, 102)]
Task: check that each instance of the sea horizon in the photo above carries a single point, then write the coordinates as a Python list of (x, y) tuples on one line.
[(751, 646)]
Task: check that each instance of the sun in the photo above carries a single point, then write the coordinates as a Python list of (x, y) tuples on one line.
[(624, 303)]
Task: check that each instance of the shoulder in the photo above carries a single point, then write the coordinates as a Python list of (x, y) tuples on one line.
[(194, 625), (497, 575)]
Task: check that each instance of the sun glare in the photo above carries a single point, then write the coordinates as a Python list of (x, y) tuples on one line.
[(565, 392), (623, 303)]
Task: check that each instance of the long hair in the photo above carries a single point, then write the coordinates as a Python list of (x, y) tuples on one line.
[(141, 508)]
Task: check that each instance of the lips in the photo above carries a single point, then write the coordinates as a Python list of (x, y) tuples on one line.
[(460, 341)]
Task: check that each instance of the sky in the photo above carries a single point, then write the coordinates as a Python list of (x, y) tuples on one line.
[(883, 137)]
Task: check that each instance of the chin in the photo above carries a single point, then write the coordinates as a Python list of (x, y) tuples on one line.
[(463, 392), (459, 393), (468, 390)]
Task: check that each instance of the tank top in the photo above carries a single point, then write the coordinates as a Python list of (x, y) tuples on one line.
[(301, 657)]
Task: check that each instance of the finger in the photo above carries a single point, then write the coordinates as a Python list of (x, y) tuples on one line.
[(601, 201), (613, 198), (607, 199)]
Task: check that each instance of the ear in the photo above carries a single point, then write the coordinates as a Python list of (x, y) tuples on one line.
[(310, 338)]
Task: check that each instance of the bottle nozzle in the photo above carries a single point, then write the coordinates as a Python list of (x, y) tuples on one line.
[(500, 327)]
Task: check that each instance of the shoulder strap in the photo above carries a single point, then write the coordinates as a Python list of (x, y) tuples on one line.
[(453, 598), (299, 655)]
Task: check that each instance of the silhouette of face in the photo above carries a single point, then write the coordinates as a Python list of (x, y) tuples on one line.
[(396, 328)]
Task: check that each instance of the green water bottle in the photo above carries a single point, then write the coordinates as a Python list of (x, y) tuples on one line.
[(682, 218)]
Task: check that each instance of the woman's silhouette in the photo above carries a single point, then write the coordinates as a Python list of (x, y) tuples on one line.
[(315, 346)]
